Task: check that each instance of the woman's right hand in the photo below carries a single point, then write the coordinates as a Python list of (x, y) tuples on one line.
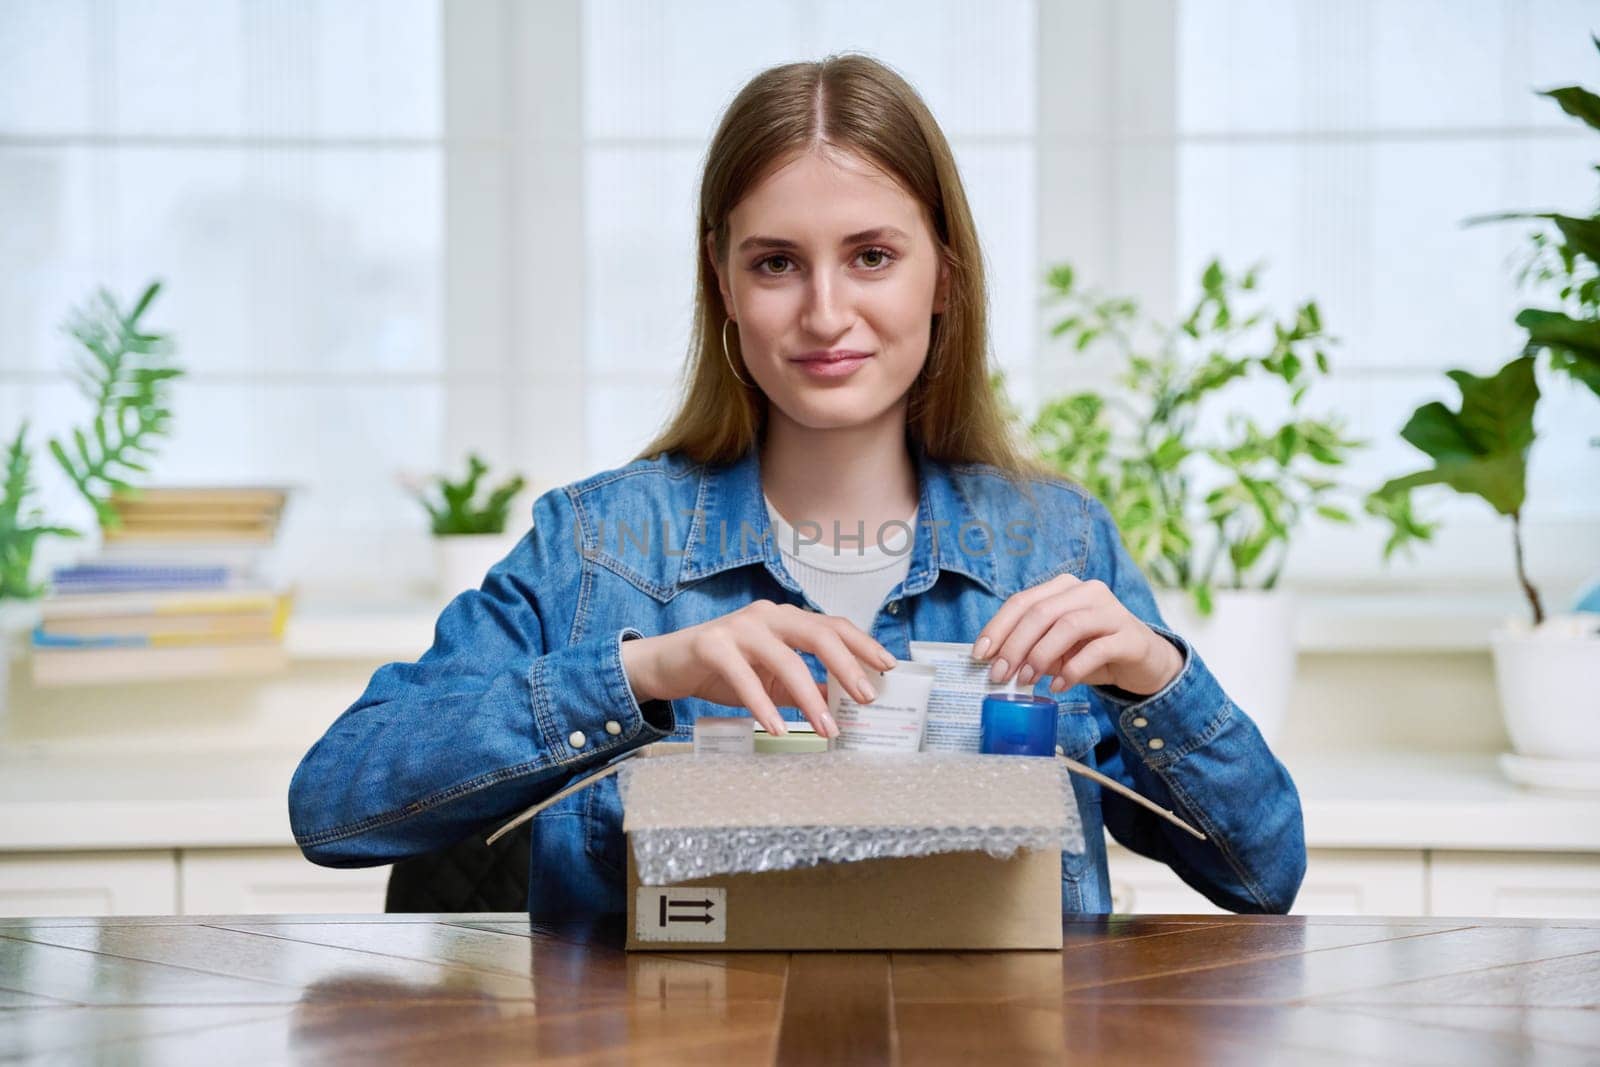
[(747, 658)]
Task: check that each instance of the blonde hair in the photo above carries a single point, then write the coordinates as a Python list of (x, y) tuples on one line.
[(856, 103)]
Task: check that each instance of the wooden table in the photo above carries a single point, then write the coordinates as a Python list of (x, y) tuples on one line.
[(450, 989)]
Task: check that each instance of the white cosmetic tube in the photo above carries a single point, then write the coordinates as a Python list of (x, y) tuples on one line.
[(891, 723)]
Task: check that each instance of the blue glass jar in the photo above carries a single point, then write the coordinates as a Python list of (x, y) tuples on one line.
[(1018, 724)]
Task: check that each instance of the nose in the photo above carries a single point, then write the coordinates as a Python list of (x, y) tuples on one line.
[(826, 314)]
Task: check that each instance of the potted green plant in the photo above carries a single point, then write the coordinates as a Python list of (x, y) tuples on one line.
[(469, 533), (22, 524), (1207, 507), (1547, 667), (123, 371)]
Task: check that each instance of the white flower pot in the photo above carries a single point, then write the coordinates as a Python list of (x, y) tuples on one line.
[(462, 560), (17, 620), (1549, 684), (1249, 645)]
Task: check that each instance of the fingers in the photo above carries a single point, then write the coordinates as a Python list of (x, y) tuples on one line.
[(748, 687), (1069, 632), (794, 677), (755, 655), (831, 643), (1014, 645), (814, 633), (862, 644), (1087, 663), (987, 644)]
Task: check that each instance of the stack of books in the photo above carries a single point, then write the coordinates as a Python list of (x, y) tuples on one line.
[(183, 588)]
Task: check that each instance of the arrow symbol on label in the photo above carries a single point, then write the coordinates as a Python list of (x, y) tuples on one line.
[(704, 906)]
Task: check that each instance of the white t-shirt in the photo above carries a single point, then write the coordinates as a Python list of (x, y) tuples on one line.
[(852, 578)]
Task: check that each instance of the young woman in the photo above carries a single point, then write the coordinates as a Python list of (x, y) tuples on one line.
[(837, 482)]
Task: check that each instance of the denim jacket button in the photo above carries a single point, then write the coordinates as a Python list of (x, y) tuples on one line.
[(1140, 722), (576, 739), (894, 607), (613, 727), (1156, 744)]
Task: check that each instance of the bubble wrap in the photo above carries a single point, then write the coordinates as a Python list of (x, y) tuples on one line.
[(697, 816)]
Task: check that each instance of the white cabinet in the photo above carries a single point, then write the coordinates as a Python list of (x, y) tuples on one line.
[(1505, 884), (250, 881), (274, 881), (88, 883), (1337, 882), (1141, 886), (1363, 882)]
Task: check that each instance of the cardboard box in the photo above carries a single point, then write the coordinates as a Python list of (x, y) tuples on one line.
[(938, 900), (950, 900)]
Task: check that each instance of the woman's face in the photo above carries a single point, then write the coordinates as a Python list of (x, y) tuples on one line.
[(832, 279)]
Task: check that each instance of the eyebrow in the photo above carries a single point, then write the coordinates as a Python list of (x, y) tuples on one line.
[(876, 234)]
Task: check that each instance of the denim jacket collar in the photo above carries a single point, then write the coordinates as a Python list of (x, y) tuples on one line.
[(730, 504)]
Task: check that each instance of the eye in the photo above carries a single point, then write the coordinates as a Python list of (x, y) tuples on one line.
[(884, 256), (761, 266)]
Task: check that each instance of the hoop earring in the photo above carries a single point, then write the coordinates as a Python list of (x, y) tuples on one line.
[(729, 358), (940, 368)]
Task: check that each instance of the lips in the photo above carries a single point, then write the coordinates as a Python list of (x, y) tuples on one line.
[(837, 364), (834, 356)]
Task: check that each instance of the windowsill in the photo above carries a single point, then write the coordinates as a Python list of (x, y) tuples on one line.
[(389, 633), (1328, 624), (1436, 800), (1377, 623)]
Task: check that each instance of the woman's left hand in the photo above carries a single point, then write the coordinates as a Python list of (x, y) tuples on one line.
[(1076, 631)]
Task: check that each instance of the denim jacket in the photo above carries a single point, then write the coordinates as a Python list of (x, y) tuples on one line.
[(523, 688)]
